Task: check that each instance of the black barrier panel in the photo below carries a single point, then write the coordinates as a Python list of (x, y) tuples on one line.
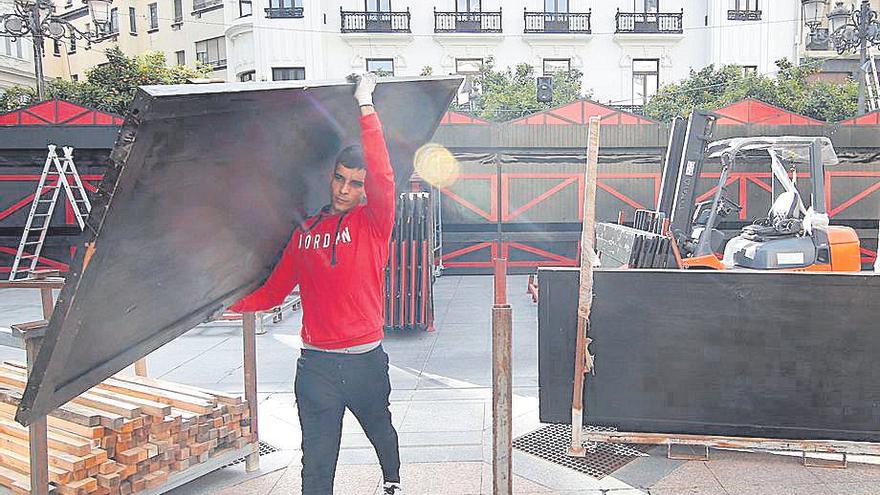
[(208, 185), (780, 355)]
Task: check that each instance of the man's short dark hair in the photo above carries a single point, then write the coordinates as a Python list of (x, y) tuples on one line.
[(351, 157)]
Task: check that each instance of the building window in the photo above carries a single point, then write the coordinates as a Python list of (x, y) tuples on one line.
[(74, 77), (749, 70), (285, 4), (132, 20), (745, 5), (114, 21), (56, 48), (154, 17), (13, 48), (245, 8), (178, 12), (72, 47), (212, 52), (181, 57), (554, 65), (649, 6), (467, 5), (646, 80), (249, 76), (288, 73), (377, 5), (381, 66), (556, 6)]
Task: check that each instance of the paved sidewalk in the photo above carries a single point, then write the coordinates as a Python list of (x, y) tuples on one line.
[(441, 406)]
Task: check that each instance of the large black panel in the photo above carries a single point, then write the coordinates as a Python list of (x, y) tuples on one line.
[(207, 186), (784, 355)]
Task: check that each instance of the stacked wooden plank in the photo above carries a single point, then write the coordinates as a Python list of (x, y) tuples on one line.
[(123, 436)]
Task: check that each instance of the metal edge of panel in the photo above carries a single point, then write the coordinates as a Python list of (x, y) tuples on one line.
[(108, 187)]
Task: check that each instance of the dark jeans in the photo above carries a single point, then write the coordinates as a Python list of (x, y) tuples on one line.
[(327, 383)]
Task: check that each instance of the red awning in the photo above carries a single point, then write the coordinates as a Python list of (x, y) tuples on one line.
[(579, 113), (756, 112), (58, 112)]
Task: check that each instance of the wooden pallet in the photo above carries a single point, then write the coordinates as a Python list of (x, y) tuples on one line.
[(127, 435)]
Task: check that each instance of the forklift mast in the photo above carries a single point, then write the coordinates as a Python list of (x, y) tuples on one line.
[(671, 165), (693, 155)]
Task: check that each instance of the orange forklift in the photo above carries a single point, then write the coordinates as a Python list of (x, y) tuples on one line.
[(681, 233)]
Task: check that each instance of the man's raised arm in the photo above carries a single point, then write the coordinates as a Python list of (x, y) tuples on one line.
[(379, 183)]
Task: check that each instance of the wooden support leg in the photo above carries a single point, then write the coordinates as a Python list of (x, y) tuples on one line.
[(37, 436), (502, 391), (249, 325)]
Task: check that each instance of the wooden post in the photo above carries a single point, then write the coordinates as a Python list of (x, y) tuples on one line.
[(582, 360), (502, 385), (37, 433), (249, 326)]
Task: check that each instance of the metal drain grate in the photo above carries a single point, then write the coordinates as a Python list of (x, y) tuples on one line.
[(263, 447), (551, 443)]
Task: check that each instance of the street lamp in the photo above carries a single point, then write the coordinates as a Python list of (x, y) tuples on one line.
[(851, 30), (814, 12), (34, 18)]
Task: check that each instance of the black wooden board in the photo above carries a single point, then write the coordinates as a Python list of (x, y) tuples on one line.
[(208, 183), (780, 355)]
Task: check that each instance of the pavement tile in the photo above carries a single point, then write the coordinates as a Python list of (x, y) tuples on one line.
[(777, 489), (854, 473), (520, 484), (864, 488), (702, 490), (694, 474), (736, 468), (256, 486), (350, 479), (444, 416), (448, 478)]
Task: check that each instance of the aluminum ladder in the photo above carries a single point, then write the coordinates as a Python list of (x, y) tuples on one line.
[(57, 174), (872, 83)]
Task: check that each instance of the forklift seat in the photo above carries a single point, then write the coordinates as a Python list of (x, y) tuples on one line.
[(785, 206)]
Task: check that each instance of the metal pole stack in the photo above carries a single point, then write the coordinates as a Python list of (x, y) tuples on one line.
[(409, 275)]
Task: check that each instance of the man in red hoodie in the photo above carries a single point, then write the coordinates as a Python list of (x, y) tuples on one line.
[(338, 258)]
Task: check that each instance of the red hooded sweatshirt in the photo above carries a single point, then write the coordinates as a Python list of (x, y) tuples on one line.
[(339, 260)]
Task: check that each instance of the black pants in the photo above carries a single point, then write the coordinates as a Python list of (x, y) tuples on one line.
[(327, 383)]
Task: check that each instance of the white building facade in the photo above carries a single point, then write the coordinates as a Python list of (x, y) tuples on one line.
[(625, 49), (16, 57)]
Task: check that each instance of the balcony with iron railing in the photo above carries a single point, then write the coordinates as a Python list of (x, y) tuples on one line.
[(743, 15), (467, 22), (285, 12), (649, 22), (557, 23), (375, 22)]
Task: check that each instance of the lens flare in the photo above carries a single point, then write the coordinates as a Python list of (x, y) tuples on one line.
[(436, 165)]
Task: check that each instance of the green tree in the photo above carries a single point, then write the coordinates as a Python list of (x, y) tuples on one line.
[(110, 86), (500, 95), (794, 88)]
